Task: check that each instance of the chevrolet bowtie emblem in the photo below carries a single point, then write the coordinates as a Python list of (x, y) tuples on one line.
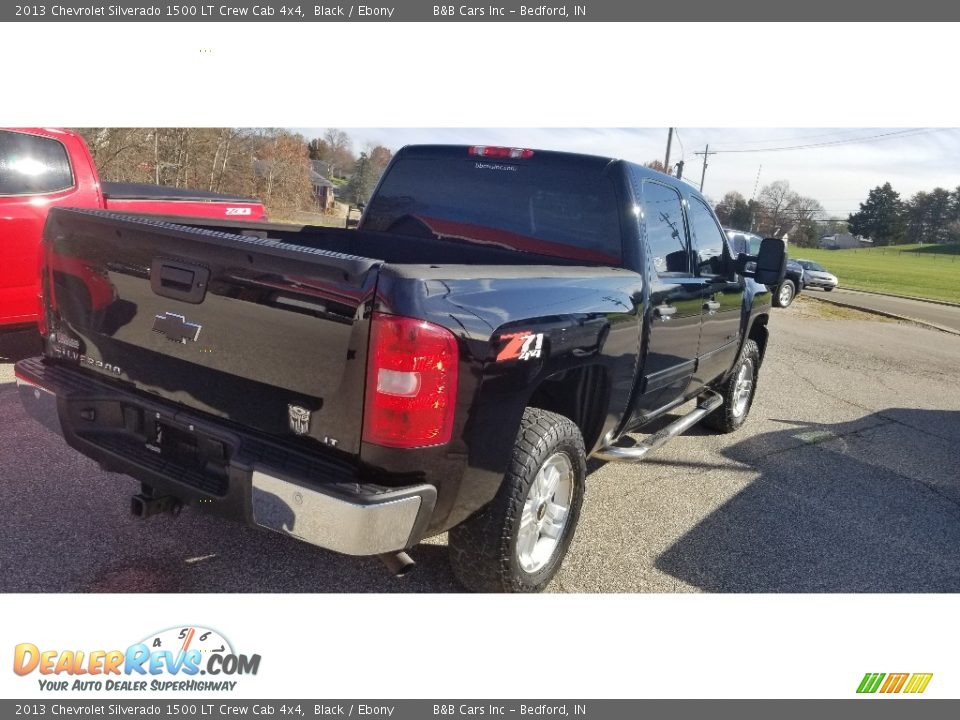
[(176, 328)]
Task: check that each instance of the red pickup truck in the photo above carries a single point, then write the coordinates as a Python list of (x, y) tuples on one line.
[(41, 168)]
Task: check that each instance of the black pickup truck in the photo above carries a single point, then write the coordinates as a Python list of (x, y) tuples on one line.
[(499, 316)]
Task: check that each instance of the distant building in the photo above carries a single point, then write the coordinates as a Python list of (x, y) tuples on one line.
[(844, 241), (322, 167), (323, 191)]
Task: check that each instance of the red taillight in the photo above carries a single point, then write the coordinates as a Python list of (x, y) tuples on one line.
[(411, 383), (500, 152)]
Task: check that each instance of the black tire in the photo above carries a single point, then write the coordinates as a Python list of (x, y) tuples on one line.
[(483, 549), (726, 419), (784, 294), (828, 289)]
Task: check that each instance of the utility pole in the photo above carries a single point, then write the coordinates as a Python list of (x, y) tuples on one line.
[(666, 159), (706, 153), (756, 184)]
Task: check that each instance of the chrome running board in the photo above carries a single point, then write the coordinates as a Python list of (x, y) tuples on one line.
[(708, 402)]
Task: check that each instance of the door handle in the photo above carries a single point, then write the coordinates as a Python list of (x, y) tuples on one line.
[(179, 281), (711, 306), (664, 311)]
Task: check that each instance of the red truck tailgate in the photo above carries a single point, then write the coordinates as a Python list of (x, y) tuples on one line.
[(160, 200)]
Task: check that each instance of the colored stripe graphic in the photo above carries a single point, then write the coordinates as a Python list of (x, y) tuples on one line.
[(870, 682), (894, 682), (918, 683)]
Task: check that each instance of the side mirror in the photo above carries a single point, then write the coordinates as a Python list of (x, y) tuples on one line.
[(767, 267)]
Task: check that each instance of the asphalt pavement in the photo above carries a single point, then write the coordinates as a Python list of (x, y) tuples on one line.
[(844, 479), (947, 316)]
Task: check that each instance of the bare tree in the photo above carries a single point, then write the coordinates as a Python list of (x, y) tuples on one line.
[(775, 200), (805, 213), (338, 151), (379, 157), (219, 159)]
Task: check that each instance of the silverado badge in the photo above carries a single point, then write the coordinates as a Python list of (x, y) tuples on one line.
[(299, 419)]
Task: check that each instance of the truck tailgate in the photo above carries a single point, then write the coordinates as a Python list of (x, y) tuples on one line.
[(156, 199), (270, 335)]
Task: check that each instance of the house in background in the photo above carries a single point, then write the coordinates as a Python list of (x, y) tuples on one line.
[(323, 192), (844, 241), (323, 189)]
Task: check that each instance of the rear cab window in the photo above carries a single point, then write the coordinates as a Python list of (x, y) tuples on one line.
[(708, 239), (32, 165), (666, 233), (549, 204)]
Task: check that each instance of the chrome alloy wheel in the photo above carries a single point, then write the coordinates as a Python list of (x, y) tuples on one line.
[(744, 388), (545, 513)]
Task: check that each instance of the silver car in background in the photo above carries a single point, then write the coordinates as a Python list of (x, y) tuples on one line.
[(816, 275)]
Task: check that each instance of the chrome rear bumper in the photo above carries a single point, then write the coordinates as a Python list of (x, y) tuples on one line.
[(383, 524)]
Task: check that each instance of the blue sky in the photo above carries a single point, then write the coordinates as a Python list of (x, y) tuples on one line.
[(838, 175)]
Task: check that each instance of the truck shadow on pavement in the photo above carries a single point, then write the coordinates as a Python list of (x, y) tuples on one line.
[(871, 505)]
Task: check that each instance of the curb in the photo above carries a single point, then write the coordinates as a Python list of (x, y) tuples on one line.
[(902, 297), (892, 316)]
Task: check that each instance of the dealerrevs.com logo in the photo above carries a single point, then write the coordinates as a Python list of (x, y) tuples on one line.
[(178, 659)]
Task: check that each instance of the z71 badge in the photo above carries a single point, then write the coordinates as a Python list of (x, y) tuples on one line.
[(521, 346)]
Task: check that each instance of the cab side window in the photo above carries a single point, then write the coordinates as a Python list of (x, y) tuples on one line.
[(707, 238), (666, 234)]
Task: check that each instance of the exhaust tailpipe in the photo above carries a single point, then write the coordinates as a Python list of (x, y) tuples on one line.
[(145, 506), (398, 563)]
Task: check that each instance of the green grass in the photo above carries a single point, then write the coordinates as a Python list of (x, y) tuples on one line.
[(929, 271)]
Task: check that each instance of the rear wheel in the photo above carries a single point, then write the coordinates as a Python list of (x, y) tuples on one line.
[(737, 390), (517, 543), (785, 294)]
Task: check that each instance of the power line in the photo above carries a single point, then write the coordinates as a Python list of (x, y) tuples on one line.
[(801, 137), (852, 141)]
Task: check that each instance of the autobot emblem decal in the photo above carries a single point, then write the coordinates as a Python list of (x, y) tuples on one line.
[(176, 327), (299, 419), (521, 346)]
